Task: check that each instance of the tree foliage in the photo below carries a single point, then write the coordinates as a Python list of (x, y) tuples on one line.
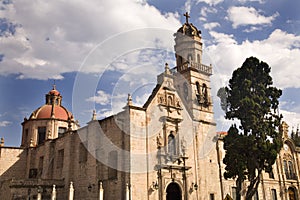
[(253, 144), (296, 138)]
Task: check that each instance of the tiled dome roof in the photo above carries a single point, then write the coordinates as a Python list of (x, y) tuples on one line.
[(189, 29), (52, 111), (52, 108)]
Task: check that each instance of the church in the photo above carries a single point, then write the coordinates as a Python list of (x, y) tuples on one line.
[(167, 149)]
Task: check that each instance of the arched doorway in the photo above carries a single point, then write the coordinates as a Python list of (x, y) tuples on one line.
[(173, 192), (292, 193)]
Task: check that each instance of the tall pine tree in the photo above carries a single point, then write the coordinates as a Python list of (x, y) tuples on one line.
[(251, 145)]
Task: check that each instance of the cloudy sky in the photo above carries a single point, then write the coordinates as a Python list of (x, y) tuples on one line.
[(100, 50)]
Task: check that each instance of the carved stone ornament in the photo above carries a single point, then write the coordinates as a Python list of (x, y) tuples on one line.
[(170, 102), (159, 141)]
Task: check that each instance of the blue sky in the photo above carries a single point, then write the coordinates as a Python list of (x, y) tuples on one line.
[(98, 51)]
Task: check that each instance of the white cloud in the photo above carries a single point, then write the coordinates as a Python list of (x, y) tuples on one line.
[(202, 19), (280, 50), (5, 123), (206, 10), (212, 25), (245, 1), (211, 2), (252, 29), (222, 38), (187, 6), (242, 16), (102, 113), (45, 47), (291, 118), (101, 98)]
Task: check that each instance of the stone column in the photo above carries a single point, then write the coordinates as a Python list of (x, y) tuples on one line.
[(53, 196), (71, 191), (39, 195), (127, 192), (101, 191)]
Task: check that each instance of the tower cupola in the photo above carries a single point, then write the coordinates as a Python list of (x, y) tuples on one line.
[(53, 97), (189, 29), (188, 48)]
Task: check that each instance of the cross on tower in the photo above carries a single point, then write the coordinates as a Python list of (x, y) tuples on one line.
[(187, 16)]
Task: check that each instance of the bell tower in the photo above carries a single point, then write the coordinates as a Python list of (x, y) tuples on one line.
[(188, 46), (193, 77)]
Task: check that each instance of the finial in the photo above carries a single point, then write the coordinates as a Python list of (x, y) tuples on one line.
[(129, 100), (284, 129), (167, 69), (94, 115), (187, 16)]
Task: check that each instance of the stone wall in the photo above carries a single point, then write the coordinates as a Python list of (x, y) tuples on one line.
[(12, 166)]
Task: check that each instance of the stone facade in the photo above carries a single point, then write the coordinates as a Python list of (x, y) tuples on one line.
[(166, 149)]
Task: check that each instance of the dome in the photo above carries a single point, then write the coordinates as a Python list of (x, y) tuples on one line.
[(189, 29), (52, 108), (46, 112)]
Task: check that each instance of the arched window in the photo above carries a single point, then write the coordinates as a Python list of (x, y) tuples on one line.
[(289, 169), (292, 193), (179, 61), (205, 94), (171, 144), (41, 134), (198, 58)]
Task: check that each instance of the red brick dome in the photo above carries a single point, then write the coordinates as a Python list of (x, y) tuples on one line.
[(58, 112), (52, 108)]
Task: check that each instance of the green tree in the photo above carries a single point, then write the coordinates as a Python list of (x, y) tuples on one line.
[(296, 138), (253, 142)]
